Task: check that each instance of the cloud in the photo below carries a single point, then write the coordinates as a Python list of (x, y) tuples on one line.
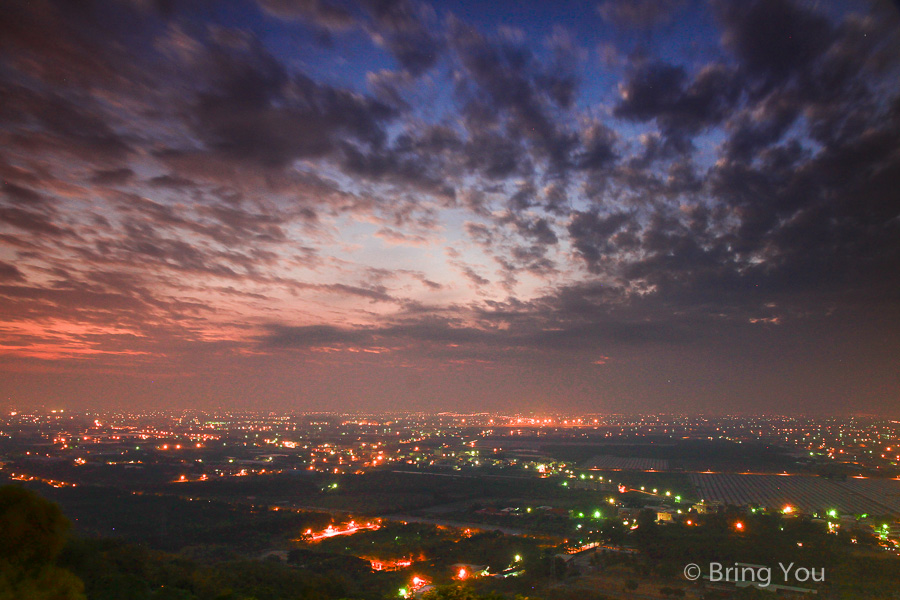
[(404, 28), (638, 13), (21, 195), (253, 110), (401, 26), (112, 176), (681, 107), (171, 183), (774, 39), (593, 236), (310, 335), (10, 272), (33, 222), (505, 86), (321, 12)]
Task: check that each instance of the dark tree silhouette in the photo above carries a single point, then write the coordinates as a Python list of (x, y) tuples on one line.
[(34, 532)]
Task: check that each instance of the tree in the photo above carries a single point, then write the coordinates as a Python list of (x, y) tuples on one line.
[(34, 532)]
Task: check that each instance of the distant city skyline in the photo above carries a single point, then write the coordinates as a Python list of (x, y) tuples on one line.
[(619, 206)]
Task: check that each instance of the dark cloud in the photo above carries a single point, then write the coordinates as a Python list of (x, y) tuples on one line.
[(774, 39), (537, 229), (506, 87), (532, 259), (638, 13), (377, 293), (32, 221), (254, 110), (474, 277), (70, 44), (168, 179), (794, 61), (311, 335), (404, 165), (593, 236), (21, 194), (681, 107), (495, 155), (91, 302), (74, 126), (598, 151), (759, 128), (112, 176), (402, 27), (10, 272), (405, 28), (321, 12)]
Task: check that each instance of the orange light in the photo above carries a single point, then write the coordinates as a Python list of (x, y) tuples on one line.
[(739, 526), (462, 574)]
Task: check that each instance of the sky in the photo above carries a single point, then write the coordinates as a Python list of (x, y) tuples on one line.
[(610, 206)]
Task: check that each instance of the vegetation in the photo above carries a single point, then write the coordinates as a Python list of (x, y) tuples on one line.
[(37, 562), (173, 523), (34, 532), (113, 570)]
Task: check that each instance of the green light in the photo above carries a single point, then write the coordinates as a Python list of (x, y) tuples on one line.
[(518, 558), (582, 475), (581, 515), (596, 514), (832, 513), (403, 592)]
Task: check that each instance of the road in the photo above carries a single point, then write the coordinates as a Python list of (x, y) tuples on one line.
[(457, 524)]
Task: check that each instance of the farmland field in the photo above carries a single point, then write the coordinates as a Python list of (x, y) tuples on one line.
[(627, 463), (808, 494), (885, 491)]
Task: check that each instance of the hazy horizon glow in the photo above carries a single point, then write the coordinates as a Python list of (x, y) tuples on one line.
[(625, 206)]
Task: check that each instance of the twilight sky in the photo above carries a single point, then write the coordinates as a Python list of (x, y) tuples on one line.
[(609, 206)]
